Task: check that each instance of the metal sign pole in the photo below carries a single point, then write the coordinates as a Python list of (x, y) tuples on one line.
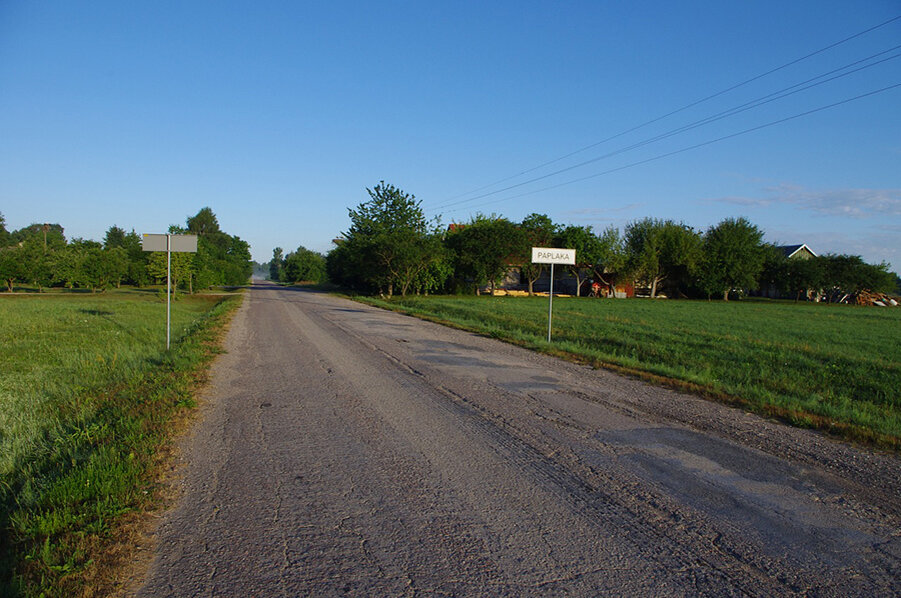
[(168, 286), (169, 243), (552, 255), (550, 304)]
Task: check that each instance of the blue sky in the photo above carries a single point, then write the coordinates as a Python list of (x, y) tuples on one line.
[(279, 115)]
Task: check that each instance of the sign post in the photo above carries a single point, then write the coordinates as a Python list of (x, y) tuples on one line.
[(552, 255), (169, 243)]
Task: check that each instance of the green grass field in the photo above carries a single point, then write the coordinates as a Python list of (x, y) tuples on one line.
[(834, 367), (87, 397)]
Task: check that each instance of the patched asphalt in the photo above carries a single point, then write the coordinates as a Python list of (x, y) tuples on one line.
[(345, 450)]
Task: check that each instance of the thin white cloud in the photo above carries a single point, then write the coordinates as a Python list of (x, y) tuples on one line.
[(602, 212), (848, 203), (753, 202)]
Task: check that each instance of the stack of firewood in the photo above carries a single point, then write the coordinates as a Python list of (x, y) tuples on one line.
[(870, 298)]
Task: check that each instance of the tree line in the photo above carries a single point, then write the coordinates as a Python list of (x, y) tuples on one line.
[(301, 265), (41, 256), (391, 248)]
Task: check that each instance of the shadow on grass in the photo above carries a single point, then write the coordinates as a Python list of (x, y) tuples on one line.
[(95, 312)]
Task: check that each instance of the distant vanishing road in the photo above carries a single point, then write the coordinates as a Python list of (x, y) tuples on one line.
[(345, 450)]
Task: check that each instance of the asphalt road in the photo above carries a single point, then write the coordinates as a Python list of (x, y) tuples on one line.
[(345, 450)]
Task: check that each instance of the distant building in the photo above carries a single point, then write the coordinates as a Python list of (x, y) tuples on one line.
[(791, 252), (800, 252)]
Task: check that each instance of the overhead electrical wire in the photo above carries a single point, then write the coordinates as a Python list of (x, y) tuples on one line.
[(678, 110), (766, 99), (695, 146)]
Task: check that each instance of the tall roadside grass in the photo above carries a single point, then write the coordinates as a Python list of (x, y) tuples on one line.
[(87, 397), (833, 367)]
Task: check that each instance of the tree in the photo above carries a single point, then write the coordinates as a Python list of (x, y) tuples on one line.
[(658, 250), (4, 234), (221, 259), (438, 271), (137, 259), (611, 258), (304, 265), (51, 236), (11, 266), (276, 264), (844, 275), (37, 263), (387, 246), (67, 264), (538, 231), (101, 268), (733, 256), (182, 267), (484, 250), (802, 276), (589, 251), (203, 223), (114, 237)]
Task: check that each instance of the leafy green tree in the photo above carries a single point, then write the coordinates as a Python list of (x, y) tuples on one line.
[(129, 258), (238, 260), (117, 264), (221, 259), (772, 274), (589, 251), (304, 265), (4, 234), (114, 237), (847, 274), (611, 257), (37, 266), (343, 267), (50, 236), (66, 264), (277, 264), (101, 268), (12, 266), (802, 276), (660, 250), (182, 267), (203, 223), (387, 246), (733, 257), (484, 250), (538, 230), (439, 270), (137, 260)]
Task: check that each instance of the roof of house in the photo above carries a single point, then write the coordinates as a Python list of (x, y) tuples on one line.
[(790, 250)]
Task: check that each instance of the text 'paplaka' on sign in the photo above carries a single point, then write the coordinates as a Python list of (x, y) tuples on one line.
[(553, 255)]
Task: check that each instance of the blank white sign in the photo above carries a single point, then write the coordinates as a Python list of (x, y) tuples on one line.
[(177, 243)]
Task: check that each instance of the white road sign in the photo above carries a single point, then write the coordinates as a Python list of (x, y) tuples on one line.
[(176, 243), (552, 255)]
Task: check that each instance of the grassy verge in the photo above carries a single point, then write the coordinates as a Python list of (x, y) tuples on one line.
[(88, 396), (832, 367)]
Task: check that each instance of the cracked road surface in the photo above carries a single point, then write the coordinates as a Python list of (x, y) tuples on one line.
[(345, 450)]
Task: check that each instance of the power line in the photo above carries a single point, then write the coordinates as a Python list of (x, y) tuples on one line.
[(766, 99), (683, 108), (696, 146)]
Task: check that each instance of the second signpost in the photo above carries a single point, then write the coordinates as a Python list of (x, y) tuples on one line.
[(169, 243)]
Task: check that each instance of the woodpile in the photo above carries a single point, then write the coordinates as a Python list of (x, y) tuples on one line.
[(870, 298)]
